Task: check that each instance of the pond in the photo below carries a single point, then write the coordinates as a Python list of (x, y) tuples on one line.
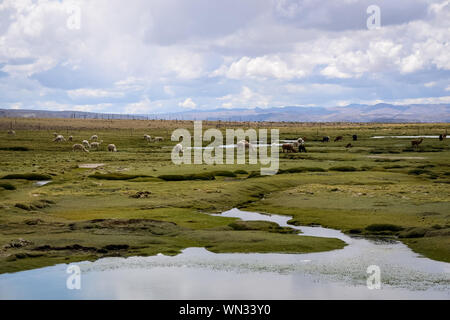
[(199, 274)]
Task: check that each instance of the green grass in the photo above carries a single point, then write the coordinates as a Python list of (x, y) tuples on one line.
[(349, 190)]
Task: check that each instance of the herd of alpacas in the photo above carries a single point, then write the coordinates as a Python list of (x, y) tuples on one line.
[(296, 146)]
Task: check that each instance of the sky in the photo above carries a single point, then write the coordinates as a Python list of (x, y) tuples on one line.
[(159, 56)]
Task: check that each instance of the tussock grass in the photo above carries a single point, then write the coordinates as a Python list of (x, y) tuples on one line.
[(116, 176), (7, 186), (344, 169), (28, 176)]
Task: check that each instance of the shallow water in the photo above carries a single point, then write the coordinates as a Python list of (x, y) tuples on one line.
[(199, 274), (42, 183)]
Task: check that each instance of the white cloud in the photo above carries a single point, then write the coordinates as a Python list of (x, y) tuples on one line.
[(273, 51), (260, 67), (246, 98), (94, 93), (188, 104)]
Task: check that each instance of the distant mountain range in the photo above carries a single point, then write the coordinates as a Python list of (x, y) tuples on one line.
[(381, 112)]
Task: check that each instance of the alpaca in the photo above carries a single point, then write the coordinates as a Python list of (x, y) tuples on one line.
[(79, 147), (112, 148), (338, 138), (415, 143), (287, 147), (86, 144), (59, 138), (326, 139)]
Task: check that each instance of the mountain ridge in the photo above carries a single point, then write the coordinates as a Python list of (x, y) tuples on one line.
[(381, 112)]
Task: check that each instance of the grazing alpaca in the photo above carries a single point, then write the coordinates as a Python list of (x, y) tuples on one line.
[(147, 138), (86, 144), (287, 147), (112, 148), (70, 138), (349, 145), (415, 143), (59, 138), (159, 139), (96, 145), (338, 138), (12, 132), (79, 147), (326, 139), (355, 137), (94, 137)]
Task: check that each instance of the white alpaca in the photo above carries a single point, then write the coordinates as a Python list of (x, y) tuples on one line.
[(94, 137), (112, 148), (96, 145), (86, 144), (11, 132), (79, 147), (159, 139), (59, 138), (147, 137)]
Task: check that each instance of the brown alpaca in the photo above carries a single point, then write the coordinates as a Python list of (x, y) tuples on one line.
[(339, 138), (287, 147), (349, 145), (415, 143)]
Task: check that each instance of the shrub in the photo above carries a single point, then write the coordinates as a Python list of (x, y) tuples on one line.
[(28, 176)]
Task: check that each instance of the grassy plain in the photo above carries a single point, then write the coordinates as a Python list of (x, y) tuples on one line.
[(379, 187)]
